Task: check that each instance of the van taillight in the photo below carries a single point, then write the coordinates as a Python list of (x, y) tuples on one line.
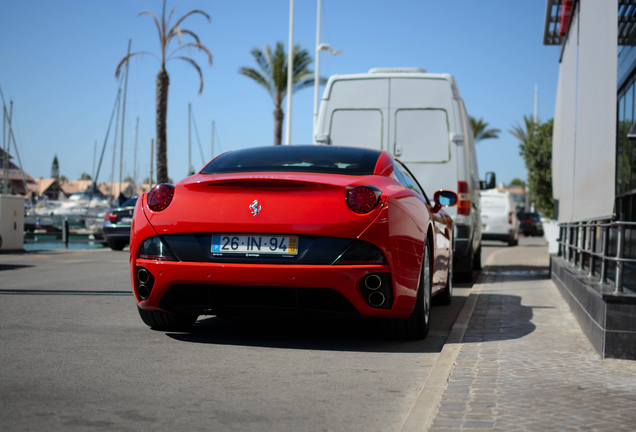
[(510, 218), (463, 205)]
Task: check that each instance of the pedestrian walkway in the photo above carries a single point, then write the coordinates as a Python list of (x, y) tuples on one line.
[(524, 364)]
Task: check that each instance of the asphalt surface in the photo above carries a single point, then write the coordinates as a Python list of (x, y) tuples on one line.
[(76, 356)]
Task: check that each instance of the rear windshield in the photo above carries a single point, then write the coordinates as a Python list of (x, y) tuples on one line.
[(309, 158)]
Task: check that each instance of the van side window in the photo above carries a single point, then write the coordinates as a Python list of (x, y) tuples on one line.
[(408, 180)]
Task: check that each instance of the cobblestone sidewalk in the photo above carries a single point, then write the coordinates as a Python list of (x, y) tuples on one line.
[(525, 365)]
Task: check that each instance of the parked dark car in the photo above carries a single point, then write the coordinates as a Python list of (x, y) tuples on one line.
[(117, 223), (530, 224)]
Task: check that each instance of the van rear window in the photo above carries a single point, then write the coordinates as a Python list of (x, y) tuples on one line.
[(423, 135)]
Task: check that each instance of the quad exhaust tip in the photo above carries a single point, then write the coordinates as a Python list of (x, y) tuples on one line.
[(143, 276), (376, 299), (143, 291), (373, 282)]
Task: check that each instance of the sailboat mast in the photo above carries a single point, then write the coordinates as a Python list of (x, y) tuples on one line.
[(135, 155), (189, 140), (123, 118)]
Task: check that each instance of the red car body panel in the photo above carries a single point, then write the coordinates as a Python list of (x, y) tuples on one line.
[(307, 203)]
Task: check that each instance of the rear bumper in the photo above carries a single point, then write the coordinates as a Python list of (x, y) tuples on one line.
[(221, 288)]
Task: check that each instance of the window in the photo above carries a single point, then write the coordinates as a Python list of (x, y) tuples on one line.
[(407, 180)]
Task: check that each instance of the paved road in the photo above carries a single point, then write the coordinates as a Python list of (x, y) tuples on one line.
[(76, 356)]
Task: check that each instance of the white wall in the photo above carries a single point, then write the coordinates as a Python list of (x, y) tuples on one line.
[(584, 140)]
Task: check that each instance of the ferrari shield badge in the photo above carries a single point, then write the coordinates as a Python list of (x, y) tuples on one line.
[(255, 208)]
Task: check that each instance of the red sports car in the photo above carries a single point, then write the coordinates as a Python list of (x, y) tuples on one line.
[(339, 232)]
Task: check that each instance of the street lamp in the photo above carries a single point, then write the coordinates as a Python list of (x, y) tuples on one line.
[(319, 47), (290, 71)]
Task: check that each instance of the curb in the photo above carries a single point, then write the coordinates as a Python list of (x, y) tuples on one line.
[(424, 409)]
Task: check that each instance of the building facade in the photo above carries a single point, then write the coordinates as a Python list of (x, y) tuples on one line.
[(594, 167)]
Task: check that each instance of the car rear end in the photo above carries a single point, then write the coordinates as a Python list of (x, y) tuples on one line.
[(498, 218), (279, 243), (117, 224)]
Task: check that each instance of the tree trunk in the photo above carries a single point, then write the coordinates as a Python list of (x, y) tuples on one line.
[(278, 125), (163, 81)]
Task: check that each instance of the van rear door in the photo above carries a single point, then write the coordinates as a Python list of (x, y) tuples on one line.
[(357, 113), (422, 113)]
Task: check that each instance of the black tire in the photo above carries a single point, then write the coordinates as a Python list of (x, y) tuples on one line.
[(477, 259), (116, 245), (446, 297), (159, 320), (466, 264), (513, 242), (416, 326)]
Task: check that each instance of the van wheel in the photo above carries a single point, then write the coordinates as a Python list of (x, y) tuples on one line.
[(513, 242), (477, 259), (418, 324), (464, 268)]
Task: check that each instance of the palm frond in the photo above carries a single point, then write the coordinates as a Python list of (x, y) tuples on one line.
[(258, 77), (194, 45), (192, 12), (147, 12), (170, 15), (183, 31), (196, 66), (125, 59)]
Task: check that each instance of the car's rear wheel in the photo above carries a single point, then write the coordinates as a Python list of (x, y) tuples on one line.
[(160, 320), (116, 244), (419, 323)]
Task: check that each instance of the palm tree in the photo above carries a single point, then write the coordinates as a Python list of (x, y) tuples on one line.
[(166, 35), (481, 131), (273, 77), (522, 135)]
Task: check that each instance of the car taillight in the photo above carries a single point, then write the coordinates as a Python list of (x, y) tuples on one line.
[(160, 196), (363, 199), (463, 205), (110, 217)]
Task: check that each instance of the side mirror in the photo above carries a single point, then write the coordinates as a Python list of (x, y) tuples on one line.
[(444, 198), (490, 182)]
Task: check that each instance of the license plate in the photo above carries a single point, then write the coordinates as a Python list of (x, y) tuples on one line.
[(254, 245), (126, 219)]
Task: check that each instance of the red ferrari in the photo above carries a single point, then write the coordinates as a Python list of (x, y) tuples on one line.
[(338, 232)]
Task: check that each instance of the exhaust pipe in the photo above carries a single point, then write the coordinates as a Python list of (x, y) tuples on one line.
[(143, 291), (376, 299), (373, 282), (143, 276)]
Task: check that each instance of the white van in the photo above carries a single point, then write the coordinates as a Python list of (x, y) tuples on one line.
[(421, 119), (499, 217)]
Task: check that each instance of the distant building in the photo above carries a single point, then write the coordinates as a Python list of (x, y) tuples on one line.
[(48, 188), (15, 185)]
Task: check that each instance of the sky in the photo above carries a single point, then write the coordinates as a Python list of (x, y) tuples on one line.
[(58, 60)]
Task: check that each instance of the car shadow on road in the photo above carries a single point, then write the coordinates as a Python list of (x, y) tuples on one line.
[(498, 317), (370, 335)]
